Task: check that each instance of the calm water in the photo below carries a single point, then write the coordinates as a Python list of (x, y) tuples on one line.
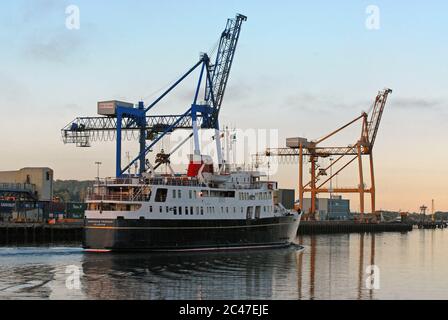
[(412, 265)]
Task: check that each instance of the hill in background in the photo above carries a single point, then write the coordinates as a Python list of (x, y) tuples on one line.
[(71, 190)]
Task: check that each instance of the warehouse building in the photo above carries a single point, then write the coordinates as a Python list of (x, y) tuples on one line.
[(285, 197), (29, 183), (334, 208)]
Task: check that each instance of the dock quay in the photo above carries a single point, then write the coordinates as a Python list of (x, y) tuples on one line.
[(432, 225), (323, 227), (24, 233)]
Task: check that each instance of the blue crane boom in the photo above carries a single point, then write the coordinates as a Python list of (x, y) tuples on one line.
[(223, 64), (82, 130)]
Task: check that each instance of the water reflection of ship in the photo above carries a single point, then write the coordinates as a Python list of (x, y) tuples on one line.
[(319, 278), (263, 274)]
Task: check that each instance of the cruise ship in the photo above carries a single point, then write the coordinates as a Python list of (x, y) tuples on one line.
[(199, 210)]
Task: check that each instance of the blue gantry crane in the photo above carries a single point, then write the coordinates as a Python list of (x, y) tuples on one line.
[(124, 118)]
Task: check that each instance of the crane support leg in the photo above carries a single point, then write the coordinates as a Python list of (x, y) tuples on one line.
[(142, 138), (197, 150), (372, 189), (313, 186), (361, 184), (218, 145), (118, 149), (301, 178)]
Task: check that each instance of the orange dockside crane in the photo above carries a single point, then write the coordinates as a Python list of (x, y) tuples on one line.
[(301, 147)]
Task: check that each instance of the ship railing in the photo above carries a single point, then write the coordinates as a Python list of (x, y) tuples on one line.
[(173, 181), (109, 197), (176, 182), (114, 181), (170, 181)]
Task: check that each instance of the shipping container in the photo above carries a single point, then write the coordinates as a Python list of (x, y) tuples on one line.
[(57, 207), (7, 206), (75, 210)]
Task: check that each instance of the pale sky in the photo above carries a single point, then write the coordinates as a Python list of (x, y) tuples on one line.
[(303, 68)]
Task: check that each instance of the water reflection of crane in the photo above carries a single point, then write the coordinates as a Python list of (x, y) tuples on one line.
[(361, 270), (317, 287)]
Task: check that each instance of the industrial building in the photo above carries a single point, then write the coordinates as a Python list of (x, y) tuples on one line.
[(334, 208), (285, 197), (27, 184)]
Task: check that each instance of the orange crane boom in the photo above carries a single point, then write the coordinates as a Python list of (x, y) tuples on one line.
[(314, 151)]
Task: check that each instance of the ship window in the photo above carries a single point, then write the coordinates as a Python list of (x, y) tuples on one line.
[(222, 194), (227, 209), (174, 194), (150, 208), (202, 210), (190, 194), (242, 209), (175, 210), (234, 209), (160, 209), (194, 194), (180, 211), (161, 195), (48, 175), (167, 209), (197, 210), (179, 194), (191, 211), (186, 211)]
